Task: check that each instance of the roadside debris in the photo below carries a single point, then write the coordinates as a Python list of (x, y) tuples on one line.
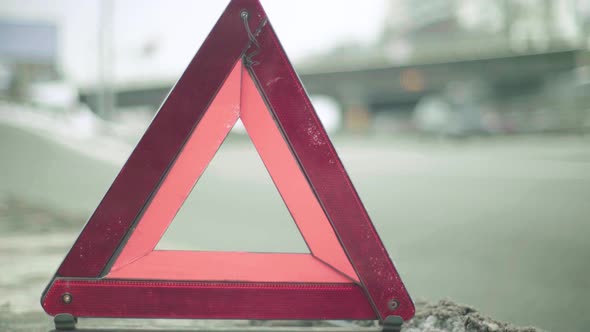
[(447, 316)]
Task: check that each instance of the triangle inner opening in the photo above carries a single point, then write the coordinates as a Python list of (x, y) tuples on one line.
[(234, 206)]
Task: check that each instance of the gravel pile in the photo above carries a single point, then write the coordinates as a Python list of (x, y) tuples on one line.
[(447, 316)]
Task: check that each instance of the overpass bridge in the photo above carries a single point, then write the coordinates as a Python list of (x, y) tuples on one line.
[(408, 83), (366, 88)]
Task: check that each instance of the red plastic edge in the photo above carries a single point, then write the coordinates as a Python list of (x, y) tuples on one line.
[(326, 174), (208, 300)]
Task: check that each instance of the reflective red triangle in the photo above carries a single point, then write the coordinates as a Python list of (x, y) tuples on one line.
[(113, 270)]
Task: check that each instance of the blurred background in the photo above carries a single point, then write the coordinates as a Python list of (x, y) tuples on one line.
[(463, 124)]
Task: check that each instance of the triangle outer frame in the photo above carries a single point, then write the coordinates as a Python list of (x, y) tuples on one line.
[(378, 294)]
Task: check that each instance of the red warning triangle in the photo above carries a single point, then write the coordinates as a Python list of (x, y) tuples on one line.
[(240, 72)]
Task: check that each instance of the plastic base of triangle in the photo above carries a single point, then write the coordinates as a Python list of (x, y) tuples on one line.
[(208, 300)]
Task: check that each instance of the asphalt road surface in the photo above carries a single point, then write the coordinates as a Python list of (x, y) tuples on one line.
[(501, 224)]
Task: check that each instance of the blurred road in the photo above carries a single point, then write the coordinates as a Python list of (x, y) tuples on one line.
[(498, 223)]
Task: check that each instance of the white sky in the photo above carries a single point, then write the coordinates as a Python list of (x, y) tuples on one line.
[(178, 27)]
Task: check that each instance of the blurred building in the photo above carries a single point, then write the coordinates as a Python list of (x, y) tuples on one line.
[(28, 54)]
